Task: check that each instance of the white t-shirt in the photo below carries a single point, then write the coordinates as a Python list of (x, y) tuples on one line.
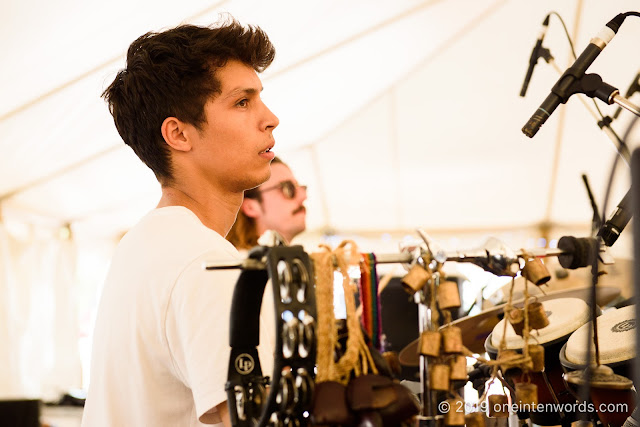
[(161, 340)]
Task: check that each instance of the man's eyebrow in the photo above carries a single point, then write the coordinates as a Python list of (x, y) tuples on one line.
[(244, 91)]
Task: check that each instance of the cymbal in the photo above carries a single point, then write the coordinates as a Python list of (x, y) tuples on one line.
[(475, 329)]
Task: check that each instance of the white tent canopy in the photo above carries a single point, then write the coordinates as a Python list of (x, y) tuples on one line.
[(409, 110), (397, 115)]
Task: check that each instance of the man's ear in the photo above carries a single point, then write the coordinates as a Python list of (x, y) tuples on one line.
[(251, 208), (175, 134)]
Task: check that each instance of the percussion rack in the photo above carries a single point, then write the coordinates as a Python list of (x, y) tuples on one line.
[(495, 262), (475, 256), (493, 257)]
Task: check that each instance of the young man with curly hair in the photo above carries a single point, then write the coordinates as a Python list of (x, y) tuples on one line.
[(188, 104)]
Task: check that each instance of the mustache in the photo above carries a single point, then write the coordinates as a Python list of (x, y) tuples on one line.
[(299, 210)]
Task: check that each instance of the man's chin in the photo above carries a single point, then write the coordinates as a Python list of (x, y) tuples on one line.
[(299, 229)]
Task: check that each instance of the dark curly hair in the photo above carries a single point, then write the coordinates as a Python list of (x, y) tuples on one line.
[(172, 74)]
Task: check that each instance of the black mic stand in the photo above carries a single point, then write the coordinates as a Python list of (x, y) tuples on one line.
[(603, 123), (596, 221), (635, 209), (428, 416), (593, 86)]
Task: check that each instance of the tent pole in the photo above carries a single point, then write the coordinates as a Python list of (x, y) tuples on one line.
[(376, 27), (560, 130), (448, 43), (395, 155), (441, 49), (321, 189)]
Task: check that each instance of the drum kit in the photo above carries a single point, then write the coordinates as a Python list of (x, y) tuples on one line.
[(612, 396)]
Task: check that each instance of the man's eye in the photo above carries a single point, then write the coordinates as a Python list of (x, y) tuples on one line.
[(242, 103)]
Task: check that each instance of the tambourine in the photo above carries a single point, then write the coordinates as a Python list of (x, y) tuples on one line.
[(288, 401)]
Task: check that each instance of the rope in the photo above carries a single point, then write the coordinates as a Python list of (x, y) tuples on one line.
[(356, 358), (522, 361), (327, 330)]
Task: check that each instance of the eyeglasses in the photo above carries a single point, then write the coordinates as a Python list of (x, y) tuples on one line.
[(288, 188)]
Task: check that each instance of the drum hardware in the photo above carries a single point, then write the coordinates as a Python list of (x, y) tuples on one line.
[(426, 322), (493, 257)]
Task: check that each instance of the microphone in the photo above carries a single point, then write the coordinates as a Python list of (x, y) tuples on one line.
[(633, 88), (611, 229), (535, 55), (560, 91)]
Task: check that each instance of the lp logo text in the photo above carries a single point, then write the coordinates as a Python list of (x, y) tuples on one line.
[(244, 363)]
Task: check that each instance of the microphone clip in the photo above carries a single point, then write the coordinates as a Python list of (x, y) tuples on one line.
[(545, 54), (587, 84)]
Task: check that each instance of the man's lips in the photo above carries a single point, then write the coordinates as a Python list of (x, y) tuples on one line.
[(299, 210), (268, 150)]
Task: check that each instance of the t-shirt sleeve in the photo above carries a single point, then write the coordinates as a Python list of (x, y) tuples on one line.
[(197, 332)]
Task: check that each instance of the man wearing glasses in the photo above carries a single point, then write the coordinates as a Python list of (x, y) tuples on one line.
[(277, 205)]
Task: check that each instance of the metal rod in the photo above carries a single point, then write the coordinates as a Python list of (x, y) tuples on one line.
[(400, 258), (465, 256), (247, 264), (626, 104)]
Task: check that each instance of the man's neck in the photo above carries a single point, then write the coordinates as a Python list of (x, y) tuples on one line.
[(217, 212)]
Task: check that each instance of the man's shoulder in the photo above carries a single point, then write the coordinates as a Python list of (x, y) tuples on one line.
[(168, 219), (176, 227), (169, 238)]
